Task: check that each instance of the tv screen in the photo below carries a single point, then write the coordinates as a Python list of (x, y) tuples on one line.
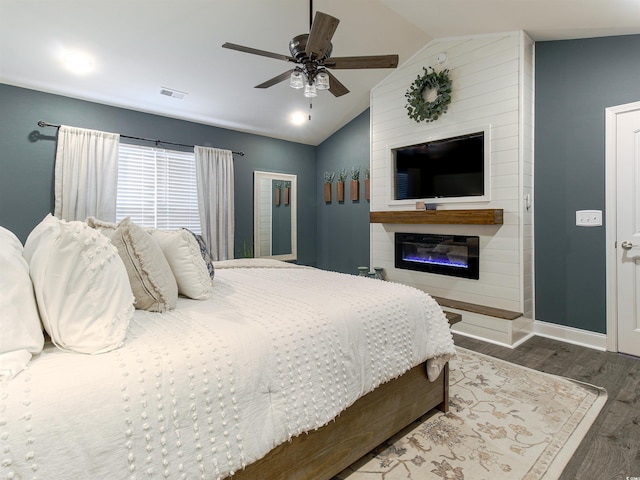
[(446, 168)]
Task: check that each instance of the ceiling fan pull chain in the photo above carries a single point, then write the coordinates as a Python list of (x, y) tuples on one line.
[(310, 107)]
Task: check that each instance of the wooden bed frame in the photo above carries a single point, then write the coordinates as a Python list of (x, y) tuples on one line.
[(374, 418)]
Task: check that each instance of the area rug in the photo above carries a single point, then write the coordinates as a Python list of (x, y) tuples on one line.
[(504, 421)]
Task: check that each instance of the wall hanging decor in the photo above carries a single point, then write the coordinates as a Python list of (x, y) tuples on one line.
[(419, 108), (328, 181), (342, 176), (287, 189), (278, 187), (354, 188)]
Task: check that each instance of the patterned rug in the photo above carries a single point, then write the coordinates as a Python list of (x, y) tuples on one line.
[(504, 421)]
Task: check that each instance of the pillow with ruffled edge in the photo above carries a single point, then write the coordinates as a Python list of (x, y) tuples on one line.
[(105, 227), (150, 275), (183, 254), (81, 286), (19, 319)]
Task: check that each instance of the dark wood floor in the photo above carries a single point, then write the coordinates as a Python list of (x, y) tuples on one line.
[(611, 448)]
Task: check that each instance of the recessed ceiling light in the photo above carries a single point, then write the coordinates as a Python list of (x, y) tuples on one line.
[(298, 118), (78, 62)]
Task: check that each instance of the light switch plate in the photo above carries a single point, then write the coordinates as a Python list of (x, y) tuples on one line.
[(589, 218)]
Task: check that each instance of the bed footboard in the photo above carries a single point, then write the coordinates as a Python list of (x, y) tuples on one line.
[(323, 453)]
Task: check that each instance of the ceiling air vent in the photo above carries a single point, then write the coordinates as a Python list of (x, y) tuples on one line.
[(172, 93)]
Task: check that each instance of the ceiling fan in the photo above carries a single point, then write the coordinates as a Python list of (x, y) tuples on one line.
[(311, 53)]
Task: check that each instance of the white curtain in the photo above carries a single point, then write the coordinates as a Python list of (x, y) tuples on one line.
[(214, 175), (86, 174)]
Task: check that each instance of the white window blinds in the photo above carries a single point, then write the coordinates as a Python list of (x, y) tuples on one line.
[(157, 188)]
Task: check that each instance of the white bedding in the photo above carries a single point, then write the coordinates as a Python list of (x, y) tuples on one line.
[(201, 391)]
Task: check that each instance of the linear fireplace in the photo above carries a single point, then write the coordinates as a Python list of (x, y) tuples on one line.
[(455, 255)]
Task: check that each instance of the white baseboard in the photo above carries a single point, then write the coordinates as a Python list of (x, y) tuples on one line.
[(490, 340), (576, 336)]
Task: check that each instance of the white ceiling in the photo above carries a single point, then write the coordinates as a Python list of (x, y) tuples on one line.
[(139, 46)]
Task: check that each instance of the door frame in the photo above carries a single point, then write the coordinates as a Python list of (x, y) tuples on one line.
[(611, 114)]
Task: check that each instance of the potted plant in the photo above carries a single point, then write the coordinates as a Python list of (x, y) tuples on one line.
[(354, 188), (367, 183), (245, 249), (328, 180), (278, 187), (342, 176)]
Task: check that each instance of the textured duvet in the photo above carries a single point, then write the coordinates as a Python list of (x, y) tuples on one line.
[(207, 388)]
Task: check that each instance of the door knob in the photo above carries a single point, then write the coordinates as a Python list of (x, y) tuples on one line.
[(626, 245)]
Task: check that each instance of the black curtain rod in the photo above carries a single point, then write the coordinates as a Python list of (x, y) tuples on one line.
[(42, 123)]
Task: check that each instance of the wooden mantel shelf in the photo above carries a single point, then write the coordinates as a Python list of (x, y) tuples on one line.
[(487, 216)]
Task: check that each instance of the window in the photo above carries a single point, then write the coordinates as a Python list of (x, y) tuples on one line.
[(157, 188)]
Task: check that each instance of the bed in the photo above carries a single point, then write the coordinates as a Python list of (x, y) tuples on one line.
[(282, 372)]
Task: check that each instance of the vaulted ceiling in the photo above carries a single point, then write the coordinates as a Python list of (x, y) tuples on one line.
[(139, 47)]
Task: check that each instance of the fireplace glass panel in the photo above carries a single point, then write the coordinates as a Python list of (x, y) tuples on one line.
[(455, 255)]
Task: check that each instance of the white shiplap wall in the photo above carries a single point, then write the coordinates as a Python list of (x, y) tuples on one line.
[(492, 79)]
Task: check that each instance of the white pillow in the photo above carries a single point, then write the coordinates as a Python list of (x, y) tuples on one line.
[(182, 251), (81, 286), (204, 252), (19, 320)]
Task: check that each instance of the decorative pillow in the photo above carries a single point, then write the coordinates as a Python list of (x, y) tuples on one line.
[(19, 320), (182, 252), (152, 281), (81, 286), (105, 227), (204, 251)]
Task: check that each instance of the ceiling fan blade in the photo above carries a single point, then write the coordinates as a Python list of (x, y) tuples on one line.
[(275, 80), (255, 51), (322, 30), (335, 87), (373, 61)]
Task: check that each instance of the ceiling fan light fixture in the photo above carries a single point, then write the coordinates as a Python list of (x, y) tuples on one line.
[(322, 80), (310, 90), (296, 80), (311, 53)]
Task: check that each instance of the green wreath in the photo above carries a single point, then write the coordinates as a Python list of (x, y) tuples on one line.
[(417, 105)]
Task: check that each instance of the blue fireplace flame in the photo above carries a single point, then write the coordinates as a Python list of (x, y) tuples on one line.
[(435, 261)]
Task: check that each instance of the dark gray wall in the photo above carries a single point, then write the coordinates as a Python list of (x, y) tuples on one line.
[(343, 227), (575, 81), (27, 158)]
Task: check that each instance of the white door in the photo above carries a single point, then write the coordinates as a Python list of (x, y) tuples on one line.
[(628, 230)]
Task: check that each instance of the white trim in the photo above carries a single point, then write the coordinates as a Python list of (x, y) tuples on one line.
[(561, 333), (494, 342), (293, 202), (610, 222), (576, 336), (441, 134)]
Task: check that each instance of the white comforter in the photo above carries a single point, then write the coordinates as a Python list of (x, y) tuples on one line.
[(201, 391)]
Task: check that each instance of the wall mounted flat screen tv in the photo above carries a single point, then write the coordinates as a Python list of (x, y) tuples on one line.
[(445, 168)]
